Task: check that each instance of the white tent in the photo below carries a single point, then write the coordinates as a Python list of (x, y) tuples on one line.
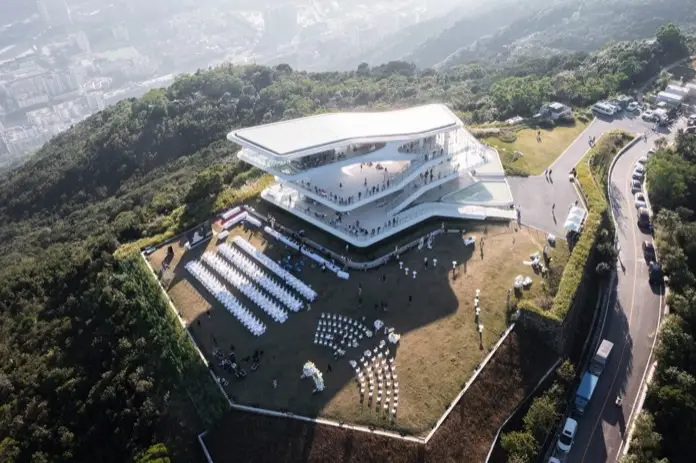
[(575, 218)]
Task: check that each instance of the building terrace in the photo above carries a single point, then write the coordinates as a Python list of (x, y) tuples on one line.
[(374, 181)]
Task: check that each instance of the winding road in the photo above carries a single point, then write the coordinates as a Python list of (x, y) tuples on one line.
[(635, 307)]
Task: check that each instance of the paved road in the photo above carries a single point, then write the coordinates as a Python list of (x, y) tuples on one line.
[(631, 324), (535, 195), (635, 306)]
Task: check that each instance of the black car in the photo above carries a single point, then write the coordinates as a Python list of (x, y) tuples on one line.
[(649, 251), (643, 218), (655, 272)]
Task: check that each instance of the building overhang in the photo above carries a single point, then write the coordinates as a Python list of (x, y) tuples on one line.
[(302, 137)]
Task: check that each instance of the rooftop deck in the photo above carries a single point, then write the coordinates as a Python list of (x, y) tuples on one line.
[(304, 136)]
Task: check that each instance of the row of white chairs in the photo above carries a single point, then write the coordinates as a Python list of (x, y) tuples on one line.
[(306, 292), (330, 319), (239, 281), (248, 267), (345, 338), (220, 292)]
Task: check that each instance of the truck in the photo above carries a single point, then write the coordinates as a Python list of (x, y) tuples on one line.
[(599, 361), (585, 391), (591, 376)]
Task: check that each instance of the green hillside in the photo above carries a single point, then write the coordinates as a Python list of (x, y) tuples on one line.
[(547, 28)]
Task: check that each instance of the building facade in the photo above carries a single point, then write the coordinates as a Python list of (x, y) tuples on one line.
[(364, 177)]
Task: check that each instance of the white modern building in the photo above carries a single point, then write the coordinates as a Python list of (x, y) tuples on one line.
[(363, 177)]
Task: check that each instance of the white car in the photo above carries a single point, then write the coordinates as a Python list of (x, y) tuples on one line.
[(639, 168), (565, 440), (647, 115), (642, 160), (632, 106), (651, 152), (640, 200), (636, 185), (637, 175)]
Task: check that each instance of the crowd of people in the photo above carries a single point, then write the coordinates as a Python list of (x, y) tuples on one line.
[(429, 150)]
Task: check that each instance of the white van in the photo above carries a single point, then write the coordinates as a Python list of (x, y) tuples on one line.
[(604, 108), (565, 440)]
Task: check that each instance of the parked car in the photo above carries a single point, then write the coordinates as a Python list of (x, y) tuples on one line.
[(639, 168), (637, 175), (565, 440), (655, 272), (644, 218), (639, 200), (636, 185), (651, 152), (642, 160), (649, 251), (632, 106), (648, 115)]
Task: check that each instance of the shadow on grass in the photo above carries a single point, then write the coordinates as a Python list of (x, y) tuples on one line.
[(433, 299), (287, 347), (464, 436)]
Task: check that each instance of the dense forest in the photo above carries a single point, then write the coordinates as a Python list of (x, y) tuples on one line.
[(666, 430), (95, 368)]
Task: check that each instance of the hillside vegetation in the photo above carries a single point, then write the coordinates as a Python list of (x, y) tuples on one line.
[(537, 29), (96, 369)]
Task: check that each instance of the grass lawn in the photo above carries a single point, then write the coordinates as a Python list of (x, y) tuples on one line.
[(439, 346), (536, 156)]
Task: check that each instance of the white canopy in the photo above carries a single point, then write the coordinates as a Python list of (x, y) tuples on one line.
[(575, 218)]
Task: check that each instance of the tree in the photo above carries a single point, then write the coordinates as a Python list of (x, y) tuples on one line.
[(645, 443), (675, 346), (158, 453), (364, 69), (541, 416), (208, 182), (566, 372), (661, 143), (9, 450), (521, 446), (672, 40)]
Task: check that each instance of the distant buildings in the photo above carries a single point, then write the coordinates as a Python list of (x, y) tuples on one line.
[(95, 102), (54, 13), (82, 42)]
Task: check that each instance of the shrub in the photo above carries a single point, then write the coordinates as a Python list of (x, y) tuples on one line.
[(515, 171), (541, 416), (520, 446), (507, 136)]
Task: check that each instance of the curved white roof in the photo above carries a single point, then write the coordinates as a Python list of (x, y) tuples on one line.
[(307, 135)]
